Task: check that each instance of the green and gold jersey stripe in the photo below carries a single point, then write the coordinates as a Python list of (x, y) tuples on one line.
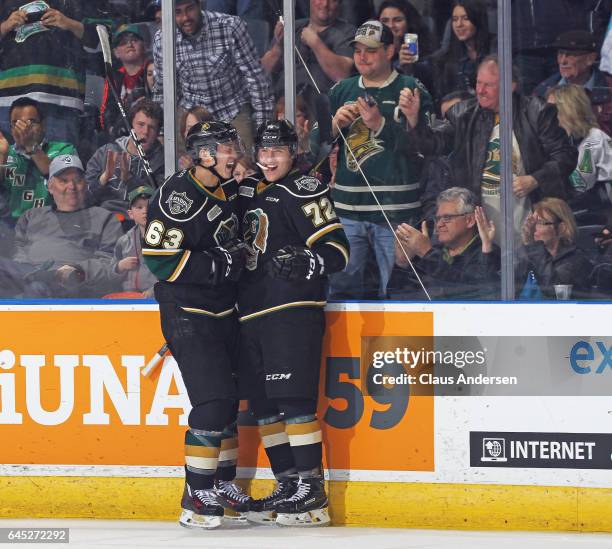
[(166, 264)]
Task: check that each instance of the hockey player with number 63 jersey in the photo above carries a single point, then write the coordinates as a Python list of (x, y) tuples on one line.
[(191, 244), (294, 240)]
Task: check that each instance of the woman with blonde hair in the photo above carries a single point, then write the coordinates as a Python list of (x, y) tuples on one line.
[(549, 255), (593, 174)]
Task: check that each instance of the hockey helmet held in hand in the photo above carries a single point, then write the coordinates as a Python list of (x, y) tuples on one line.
[(207, 135), (277, 133)]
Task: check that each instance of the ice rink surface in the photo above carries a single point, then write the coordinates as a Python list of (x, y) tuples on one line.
[(140, 534)]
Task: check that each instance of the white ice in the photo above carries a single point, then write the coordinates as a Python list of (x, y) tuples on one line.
[(140, 534)]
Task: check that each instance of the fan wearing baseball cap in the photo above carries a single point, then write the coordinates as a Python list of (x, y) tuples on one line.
[(365, 110), (128, 265), (576, 57), (128, 79), (73, 241)]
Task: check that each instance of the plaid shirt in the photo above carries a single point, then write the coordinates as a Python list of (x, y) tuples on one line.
[(218, 69)]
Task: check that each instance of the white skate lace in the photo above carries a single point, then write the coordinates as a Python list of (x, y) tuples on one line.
[(207, 497), (233, 490), (280, 487), (303, 489)]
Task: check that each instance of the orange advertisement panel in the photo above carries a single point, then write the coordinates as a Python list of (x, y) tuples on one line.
[(71, 393)]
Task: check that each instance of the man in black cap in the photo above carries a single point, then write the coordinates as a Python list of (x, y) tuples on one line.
[(576, 57)]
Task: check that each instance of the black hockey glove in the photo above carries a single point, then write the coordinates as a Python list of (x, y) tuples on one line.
[(228, 261), (296, 263)]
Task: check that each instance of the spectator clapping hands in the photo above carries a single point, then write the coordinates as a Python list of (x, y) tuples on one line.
[(486, 229)]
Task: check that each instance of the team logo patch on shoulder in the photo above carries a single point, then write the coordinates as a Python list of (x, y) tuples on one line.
[(249, 192), (179, 203), (307, 183)]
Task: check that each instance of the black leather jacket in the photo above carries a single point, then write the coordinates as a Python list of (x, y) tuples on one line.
[(546, 151), (569, 266)]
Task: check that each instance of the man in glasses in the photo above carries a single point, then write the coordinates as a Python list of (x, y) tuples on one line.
[(542, 155), (576, 57), (464, 263), (24, 165)]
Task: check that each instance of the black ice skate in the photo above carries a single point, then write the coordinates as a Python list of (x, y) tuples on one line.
[(233, 499), (306, 507), (263, 511), (200, 509)]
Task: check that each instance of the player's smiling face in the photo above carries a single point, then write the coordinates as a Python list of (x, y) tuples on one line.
[(275, 162), (227, 156)]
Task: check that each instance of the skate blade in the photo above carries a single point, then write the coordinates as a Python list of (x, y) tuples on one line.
[(316, 517), (261, 517), (235, 517), (189, 519)]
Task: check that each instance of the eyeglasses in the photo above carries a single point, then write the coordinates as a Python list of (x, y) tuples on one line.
[(448, 217), (544, 223), (128, 40)]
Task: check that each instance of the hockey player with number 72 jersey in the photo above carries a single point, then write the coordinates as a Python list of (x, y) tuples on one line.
[(294, 240)]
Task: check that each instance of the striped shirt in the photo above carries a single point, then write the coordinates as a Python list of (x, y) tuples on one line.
[(217, 68), (45, 64), (392, 176)]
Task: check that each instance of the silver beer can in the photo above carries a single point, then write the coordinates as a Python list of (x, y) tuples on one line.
[(412, 44)]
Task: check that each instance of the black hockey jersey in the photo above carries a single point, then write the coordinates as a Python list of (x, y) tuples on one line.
[(296, 210), (185, 219)]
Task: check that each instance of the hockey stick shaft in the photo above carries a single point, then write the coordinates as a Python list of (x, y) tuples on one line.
[(155, 361), (108, 67)]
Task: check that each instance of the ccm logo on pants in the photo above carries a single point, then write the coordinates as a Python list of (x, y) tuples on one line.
[(277, 377)]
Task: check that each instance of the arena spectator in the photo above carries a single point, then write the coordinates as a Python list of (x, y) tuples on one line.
[(470, 43), (73, 243), (464, 263), (244, 167), (543, 157), (127, 265), (153, 12), (187, 120), (592, 178), (44, 60), (324, 42), (536, 25), (373, 138), (217, 68), (149, 79), (304, 117), (402, 17), (25, 163), (115, 169), (549, 255), (576, 57), (129, 80)]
